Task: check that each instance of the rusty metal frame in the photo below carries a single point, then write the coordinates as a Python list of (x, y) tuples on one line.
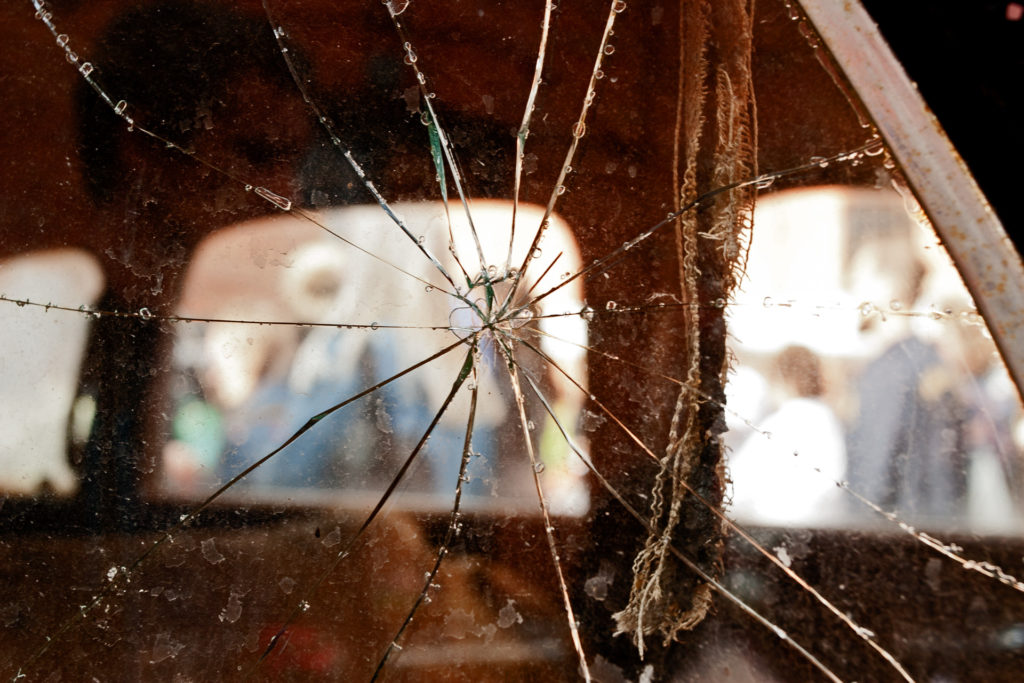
[(962, 217)]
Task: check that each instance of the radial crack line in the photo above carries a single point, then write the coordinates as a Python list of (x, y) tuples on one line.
[(649, 371), (145, 315), (861, 632), (704, 576), (303, 603), (421, 79), (317, 223), (950, 550), (454, 527), (438, 158), (579, 128), (449, 156), (120, 109), (328, 126), (124, 575), (700, 201), (524, 126), (542, 501)]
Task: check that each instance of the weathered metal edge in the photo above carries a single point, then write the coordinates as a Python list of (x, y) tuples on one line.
[(962, 217)]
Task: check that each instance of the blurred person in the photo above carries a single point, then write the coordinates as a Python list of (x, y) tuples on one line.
[(991, 407), (786, 472), (905, 440)]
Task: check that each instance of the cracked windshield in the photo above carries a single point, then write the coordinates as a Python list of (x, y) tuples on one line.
[(483, 341)]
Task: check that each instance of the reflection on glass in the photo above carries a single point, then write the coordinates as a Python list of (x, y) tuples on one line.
[(42, 355), (882, 375), (255, 189), (786, 473), (242, 387)]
